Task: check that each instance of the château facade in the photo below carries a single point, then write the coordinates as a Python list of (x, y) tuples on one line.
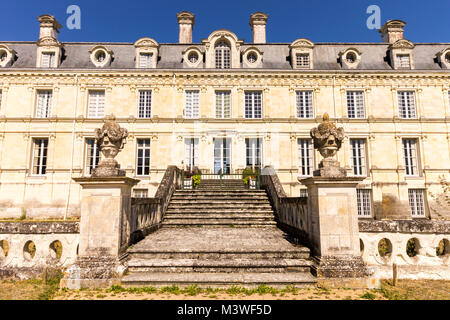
[(224, 105)]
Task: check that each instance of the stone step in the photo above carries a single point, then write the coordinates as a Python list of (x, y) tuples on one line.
[(239, 201), (202, 197), (208, 214), (206, 211), (219, 206), (216, 279), (217, 222), (218, 217), (208, 265)]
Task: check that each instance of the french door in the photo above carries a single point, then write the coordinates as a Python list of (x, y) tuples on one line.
[(222, 155)]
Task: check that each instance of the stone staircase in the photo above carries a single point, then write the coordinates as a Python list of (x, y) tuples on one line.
[(219, 235)]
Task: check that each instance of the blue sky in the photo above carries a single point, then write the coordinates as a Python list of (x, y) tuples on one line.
[(317, 20)]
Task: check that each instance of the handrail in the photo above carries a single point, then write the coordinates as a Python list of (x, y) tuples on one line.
[(148, 213), (219, 176)]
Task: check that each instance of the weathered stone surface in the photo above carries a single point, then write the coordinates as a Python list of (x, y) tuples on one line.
[(405, 226), (343, 266), (39, 227)]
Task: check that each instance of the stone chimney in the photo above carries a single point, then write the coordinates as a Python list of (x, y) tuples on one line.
[(258, 22), (186, 21), (392, 31), (49, 27)]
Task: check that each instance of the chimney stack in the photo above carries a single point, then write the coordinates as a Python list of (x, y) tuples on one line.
[(49, 26), (186, 21), (392, 31), (258, 22)]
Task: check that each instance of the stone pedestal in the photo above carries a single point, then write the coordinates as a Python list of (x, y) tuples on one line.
[(104, 232), (333, 227)]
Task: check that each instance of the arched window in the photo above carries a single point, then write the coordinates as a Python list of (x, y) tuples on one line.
[(223, 55)]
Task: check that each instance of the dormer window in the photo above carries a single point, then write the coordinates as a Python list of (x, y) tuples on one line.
[(447, 57), (251, 57), (302, 60), (193, 57), (6, 56), (444, 58), (302, 54), (100, 56), (350, 58), (223, 55), (146, 53), (401, 54), (403, 61)]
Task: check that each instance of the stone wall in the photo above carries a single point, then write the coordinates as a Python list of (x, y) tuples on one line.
[(27, 248)]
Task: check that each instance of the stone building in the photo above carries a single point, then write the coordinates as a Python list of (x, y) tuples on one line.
[(224, 104)]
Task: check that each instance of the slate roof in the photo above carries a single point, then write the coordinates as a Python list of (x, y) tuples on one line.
[(276, 56)]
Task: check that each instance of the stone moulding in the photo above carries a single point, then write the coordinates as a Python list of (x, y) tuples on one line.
[(405, 226), (39, 227)]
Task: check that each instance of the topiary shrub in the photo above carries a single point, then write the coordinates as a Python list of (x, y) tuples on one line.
[(196, 180)]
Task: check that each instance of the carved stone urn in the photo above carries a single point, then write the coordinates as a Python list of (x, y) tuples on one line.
[(328, 140), (110, 140)]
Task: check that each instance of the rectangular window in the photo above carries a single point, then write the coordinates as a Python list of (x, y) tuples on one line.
[(364, 203), (44, 103), (143, 157), (304, 101), (254, 152), (96, 104), (306, 156), (302, 60), (190, 153), (0, 99), (355, 104), (403, 61), (253, 104), (406, 104), (48, 60), (140, 193), (358, 154), (223, 104), (222, 155), (192, 107), (39, 161), (145, 104), (417, 203), (303, 193), (410, 156), (145, 60), (92, 156)]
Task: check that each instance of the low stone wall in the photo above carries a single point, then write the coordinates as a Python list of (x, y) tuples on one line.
[(27, 248), (426, 235)]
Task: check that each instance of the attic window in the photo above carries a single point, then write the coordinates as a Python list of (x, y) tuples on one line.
[(350, 57), (145, 60), (100, 56), (403, 61), (193, 57), (302, 60), (48, 59), (252, 57), (447, 57), (3, 55)]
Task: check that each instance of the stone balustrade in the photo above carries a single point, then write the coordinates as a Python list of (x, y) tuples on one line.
[(26, 248)]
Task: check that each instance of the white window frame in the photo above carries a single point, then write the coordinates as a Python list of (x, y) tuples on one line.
[(407, 106), (92, 156), (305, 157), (48, 59), (364, 203), (140, 193), (304, 101), (44, 99), (254, 153), (145, 104), (411, 156), (146, 60), (403, 60), (192, 104), (301, 62), (191, 153), (223, 146), (96, 105), (355, 104), (42, 149), (222, 55), (253, 103), (223, 104), (140, 169), (416, 199), (358, 156)]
